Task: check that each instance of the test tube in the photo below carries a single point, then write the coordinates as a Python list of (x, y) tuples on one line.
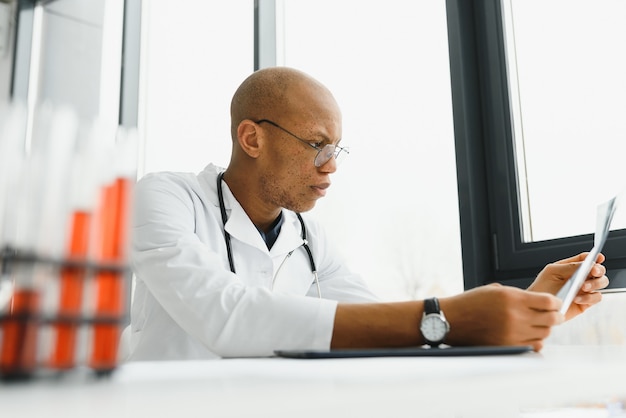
[(38, 199), (112, 222), (12, 134), (19, 332), (57, 147), (18, 355), (12, 152), (83, 184)]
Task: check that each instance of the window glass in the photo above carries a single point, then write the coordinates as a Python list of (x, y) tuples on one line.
[(568, 94), (194, 55), (393, 206)]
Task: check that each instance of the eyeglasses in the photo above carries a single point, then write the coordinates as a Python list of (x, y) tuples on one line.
[(324, 154)]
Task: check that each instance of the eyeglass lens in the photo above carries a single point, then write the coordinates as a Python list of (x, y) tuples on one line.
[(328, 152)]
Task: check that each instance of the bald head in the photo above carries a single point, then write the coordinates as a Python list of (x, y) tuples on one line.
[(280, 93)]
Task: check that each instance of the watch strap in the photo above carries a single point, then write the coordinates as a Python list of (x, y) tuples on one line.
[(431, 305)]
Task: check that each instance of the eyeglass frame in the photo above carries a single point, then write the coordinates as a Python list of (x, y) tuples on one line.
[(336, 149)]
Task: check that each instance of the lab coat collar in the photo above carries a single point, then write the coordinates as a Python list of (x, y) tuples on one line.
[(240, 227), (290, 234)]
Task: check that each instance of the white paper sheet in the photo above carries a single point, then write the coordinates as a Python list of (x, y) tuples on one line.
[(604, 217)]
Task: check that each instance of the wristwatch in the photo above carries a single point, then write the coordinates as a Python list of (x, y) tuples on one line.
[(434, 325)]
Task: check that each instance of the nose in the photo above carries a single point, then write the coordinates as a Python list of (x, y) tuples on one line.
[(329, 166)]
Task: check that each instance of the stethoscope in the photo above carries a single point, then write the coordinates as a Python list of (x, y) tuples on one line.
[(305, 243)]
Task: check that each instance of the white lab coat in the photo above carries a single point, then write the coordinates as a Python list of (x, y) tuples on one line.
[(188, 304)]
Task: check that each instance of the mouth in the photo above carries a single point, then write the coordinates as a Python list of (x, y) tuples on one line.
[(320, 189)]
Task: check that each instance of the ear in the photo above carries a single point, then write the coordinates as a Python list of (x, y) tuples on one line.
[(249, 138)]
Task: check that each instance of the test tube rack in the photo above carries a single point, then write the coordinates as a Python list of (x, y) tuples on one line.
[(22, 327)]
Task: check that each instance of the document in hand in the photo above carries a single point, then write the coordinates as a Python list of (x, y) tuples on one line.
[(604, 217)]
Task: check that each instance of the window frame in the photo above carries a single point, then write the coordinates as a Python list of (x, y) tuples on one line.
[(491, 239)]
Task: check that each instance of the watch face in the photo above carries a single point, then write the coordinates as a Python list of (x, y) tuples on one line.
[(434, 328)]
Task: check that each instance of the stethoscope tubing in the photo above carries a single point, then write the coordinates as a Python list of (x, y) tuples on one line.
[(229, 251)]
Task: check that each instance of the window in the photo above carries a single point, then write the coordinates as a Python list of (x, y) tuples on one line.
[(393, 205), (534, 127), (62, 44), (189, 73), (568, 95)]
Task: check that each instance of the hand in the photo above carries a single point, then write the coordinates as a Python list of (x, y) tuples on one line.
[(554, 276), (501, 315)]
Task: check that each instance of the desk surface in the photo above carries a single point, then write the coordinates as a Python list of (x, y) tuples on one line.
[(498, 386)]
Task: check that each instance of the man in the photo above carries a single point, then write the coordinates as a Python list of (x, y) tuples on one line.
[(226, 267)]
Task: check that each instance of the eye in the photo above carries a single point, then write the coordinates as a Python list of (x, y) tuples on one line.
[(318, 144)]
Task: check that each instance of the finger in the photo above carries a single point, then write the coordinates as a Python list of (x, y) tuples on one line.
[(580, 257), (543, 302), (598, 270), (547, 319), (594, 284), (560, 272), (532, 336), (536, 337), (563, 271), (541, 332), (588, 298), (574, 259), (537, 344)]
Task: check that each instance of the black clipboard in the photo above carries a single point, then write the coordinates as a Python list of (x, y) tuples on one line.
[(422, 351)]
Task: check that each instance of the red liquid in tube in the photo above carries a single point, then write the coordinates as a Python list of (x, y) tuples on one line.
[(18, 356), (71, 293), (110, 284)]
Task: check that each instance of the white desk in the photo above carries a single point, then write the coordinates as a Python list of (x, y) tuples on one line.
[(495, 386)]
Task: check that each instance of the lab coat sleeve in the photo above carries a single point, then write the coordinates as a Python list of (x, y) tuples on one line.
[(189, 281)]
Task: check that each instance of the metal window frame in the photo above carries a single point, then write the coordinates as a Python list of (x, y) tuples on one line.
[(22, 50), (131, 52), (265, 51)]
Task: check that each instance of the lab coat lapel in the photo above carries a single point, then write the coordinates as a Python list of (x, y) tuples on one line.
[(239, 226), (289, 238)]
